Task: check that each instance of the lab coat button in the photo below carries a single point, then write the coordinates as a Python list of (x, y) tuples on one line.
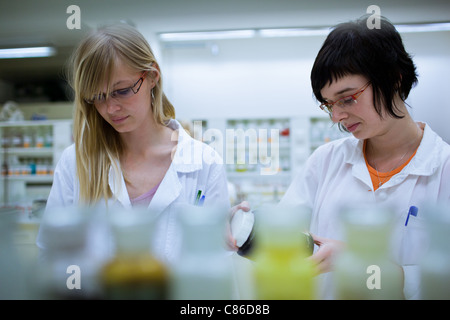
[(382, 195)]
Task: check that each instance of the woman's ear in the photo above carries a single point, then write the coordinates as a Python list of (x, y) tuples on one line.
[(399, 83), (153, 74)]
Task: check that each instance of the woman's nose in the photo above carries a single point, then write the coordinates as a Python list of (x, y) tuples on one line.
[(111, 105), (337, 115)]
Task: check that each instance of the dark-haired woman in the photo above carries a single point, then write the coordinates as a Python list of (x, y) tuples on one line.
[(362, 78)]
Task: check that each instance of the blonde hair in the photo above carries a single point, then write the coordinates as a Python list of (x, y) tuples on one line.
[(98, 146)]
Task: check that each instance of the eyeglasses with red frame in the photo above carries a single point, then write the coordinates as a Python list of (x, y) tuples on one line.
[(344, 102)]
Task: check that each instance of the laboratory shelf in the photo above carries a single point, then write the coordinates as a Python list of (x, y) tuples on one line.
[(28, 154)]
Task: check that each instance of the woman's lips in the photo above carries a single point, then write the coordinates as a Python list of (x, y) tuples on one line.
[(118, 120), (352, 127)]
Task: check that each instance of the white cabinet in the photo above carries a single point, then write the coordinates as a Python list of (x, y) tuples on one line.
[(262, 156), (29, 152)]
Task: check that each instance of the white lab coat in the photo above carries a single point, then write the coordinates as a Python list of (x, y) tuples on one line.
[(195, 166), (336, 175)]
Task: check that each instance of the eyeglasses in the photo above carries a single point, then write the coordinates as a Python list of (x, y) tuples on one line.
[(119, 94), (344, 102)]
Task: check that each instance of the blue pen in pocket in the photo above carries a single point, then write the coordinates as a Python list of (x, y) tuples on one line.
[(413, 210), (200, 202)]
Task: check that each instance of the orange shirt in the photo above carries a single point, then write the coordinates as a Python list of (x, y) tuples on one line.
[(379, 178)]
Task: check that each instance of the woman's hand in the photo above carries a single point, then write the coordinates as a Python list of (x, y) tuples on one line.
[(324, 256), (230, 241)]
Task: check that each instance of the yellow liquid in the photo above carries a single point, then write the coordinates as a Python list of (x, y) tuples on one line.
[(283, 273), (135, 277)]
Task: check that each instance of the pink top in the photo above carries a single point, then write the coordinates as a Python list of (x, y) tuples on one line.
[(146, 198)]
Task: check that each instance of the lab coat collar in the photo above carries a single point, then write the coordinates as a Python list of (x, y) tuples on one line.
[(426, 160), (423, 163), (189, 152), (353, 155), (117, 185)]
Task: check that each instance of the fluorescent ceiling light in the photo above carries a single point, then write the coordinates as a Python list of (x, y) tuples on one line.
[(285, 32), (34, 52), (294, 32), (301, 32), (207, 35), (426, 27)]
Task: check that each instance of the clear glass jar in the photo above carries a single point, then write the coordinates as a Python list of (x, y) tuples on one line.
[(282, 270), (134, 272), (203, 270), (364, 270), (65, 269), (435, 266)]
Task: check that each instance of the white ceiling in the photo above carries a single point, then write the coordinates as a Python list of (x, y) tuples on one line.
[(31, 22)]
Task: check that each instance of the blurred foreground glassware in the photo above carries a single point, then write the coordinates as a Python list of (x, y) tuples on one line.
[(12, 274), (203, 270), (65, 269), (281, 248), (435, 267), (134, 272), (364, 270)]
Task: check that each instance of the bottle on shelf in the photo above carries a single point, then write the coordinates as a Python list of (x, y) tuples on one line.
[(49, 165), (41, 168), (285, 152), (14, 166), (16, 139), (6, 137), (263, 144), (39, 138), (48, 137), (285, 130), (27, 137), (32, 165), (241, 148), (25, 167)]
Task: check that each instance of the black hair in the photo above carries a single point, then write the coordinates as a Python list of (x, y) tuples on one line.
[(377, 54)]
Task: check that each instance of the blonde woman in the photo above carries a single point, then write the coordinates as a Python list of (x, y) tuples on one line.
[(128, 149)]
